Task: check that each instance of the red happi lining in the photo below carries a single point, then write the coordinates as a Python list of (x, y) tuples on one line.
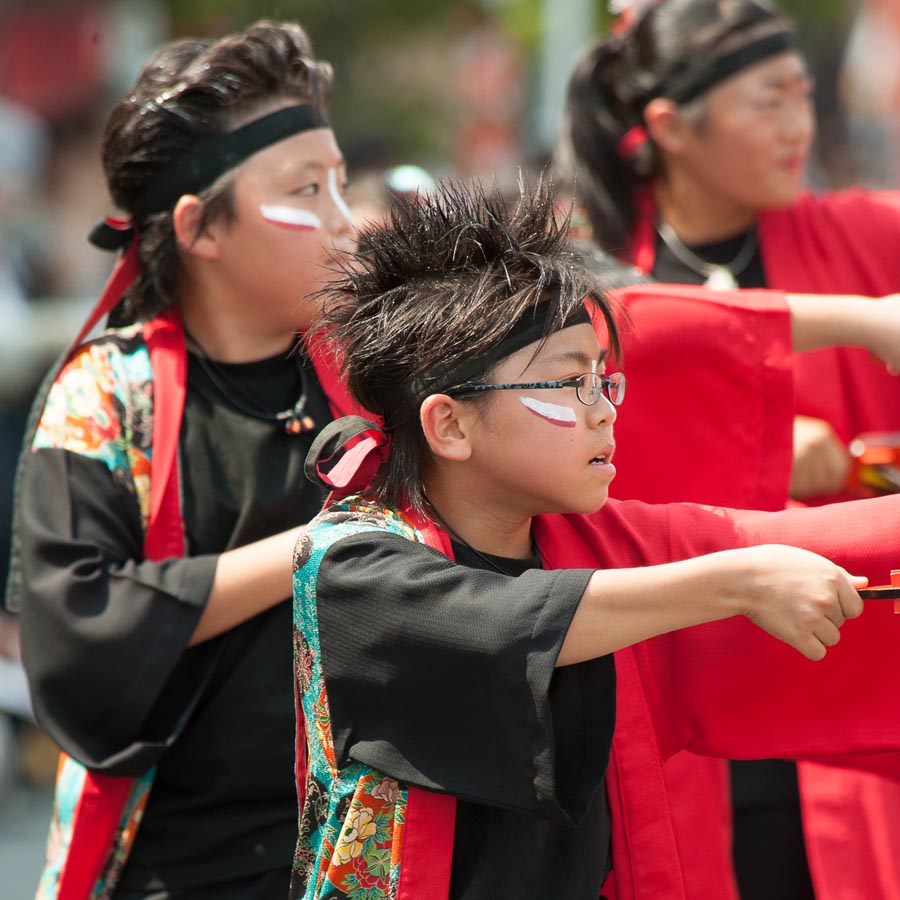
[(165, 341), (94, 825), (427, 846), (426, 855)]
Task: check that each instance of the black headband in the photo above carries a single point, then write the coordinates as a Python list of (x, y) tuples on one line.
[(205, 163), (690, 86), (536, 324)]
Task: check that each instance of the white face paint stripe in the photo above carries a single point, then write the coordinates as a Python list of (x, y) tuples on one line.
[(335, 192), (564, 416), (291, 217)]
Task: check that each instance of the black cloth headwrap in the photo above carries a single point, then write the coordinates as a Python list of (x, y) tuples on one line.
[(688, 87), (533, 326), (206, 162), (346, 455)]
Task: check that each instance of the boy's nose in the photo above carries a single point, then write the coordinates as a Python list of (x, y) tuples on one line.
[(602, 412)]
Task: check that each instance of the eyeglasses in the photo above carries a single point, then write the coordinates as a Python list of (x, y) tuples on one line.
[(589, 388)]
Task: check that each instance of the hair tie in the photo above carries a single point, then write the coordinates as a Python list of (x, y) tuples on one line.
[(113, 234), (631, 142), (355, 447)]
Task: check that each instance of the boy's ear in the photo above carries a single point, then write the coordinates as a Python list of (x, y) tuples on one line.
[(665, 124), (446, 425), (186, 222)]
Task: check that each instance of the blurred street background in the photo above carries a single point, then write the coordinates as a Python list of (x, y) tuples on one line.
[(465, 88)]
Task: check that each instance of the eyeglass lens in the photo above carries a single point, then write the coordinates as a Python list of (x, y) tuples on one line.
[(591, 386)]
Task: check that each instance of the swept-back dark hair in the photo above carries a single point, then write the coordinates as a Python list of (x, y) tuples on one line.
[(188, 92), (437, 292), (619, 75)]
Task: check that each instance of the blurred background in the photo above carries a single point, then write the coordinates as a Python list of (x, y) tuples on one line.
[(473, 87)]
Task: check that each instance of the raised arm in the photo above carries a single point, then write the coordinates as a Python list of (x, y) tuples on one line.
[(823, 320)]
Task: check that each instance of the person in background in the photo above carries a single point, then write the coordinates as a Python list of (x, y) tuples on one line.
[(688, 133), (162, 488)]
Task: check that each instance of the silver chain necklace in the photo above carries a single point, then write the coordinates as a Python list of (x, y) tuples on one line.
[(719, 276)]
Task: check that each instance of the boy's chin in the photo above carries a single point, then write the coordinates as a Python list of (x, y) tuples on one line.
[(589, 505)]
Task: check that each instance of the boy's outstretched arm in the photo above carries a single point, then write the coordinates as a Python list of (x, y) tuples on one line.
[(793, 594)]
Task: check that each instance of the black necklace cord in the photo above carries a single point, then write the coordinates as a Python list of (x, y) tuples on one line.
[(294, 419), (461, 540)]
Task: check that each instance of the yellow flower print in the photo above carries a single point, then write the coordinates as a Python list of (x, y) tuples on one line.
[(358, 827)]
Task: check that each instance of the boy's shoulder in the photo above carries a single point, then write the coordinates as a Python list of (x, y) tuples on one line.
[(112, 365), (348, 517), (104, 389), (113, 349)]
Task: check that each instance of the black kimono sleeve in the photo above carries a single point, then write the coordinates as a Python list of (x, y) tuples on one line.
[(104, 631), (445, 677)]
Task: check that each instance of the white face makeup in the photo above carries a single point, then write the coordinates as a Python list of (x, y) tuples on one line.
[(563, 416), (335, 192), (296, 219), (290, 217)]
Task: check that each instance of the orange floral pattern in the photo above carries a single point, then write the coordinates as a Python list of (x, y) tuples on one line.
[(101, 406)]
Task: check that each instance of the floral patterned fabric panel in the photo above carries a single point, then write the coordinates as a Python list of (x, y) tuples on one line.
[(352, 821), (101, 406)]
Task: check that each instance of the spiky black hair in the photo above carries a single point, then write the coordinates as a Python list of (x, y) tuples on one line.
[(430, 295)]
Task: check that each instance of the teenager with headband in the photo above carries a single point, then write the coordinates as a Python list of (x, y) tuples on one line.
[(688, 134), (162, 486)]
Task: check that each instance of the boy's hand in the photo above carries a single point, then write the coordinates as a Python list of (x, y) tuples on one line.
[(800, 597)]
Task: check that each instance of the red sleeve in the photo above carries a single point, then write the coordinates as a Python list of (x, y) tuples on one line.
[(709, 408), (727, 688), (747, 695)]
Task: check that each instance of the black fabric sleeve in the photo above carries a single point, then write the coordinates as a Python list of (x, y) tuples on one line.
[(445, 677), (103, 631)]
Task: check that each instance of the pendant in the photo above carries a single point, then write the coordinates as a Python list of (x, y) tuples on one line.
[(720, 279), (298, 424)]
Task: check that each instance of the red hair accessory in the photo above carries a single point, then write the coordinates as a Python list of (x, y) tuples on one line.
[(356, 449), (113, 234), (631, 142)]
